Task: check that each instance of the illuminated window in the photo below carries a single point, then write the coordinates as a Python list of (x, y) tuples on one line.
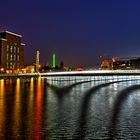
[(11, 66), (11, 48), (11, 57)]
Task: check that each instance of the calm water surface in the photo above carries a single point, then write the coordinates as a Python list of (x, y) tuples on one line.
[(70, 108)]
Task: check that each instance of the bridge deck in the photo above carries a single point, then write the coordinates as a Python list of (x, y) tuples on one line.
[(76, 73), (93, 73)]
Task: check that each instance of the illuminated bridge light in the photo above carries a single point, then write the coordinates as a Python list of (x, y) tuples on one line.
[(90, 72), (93, 72)]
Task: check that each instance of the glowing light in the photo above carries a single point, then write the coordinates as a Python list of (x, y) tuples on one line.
[(83, 72), (2, 69), (39, 66), (38, 111), (54, 61), (30, 104), (79, 69), (17, 108), (17, 89), (93, 72), (17, 96), (1, 86), (32, 85), (2, 105), (13, 34)]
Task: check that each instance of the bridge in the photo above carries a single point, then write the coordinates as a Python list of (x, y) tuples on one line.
[(76, 73), (93, 73)]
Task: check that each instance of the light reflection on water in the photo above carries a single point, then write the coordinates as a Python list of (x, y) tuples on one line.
[(70, 108), (16, 109), (2, 107)]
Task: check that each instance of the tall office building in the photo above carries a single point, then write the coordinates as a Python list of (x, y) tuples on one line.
[(11, 51)]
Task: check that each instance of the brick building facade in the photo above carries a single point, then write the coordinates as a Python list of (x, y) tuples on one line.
[(11, 51)]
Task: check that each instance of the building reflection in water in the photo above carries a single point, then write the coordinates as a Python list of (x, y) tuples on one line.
[(2, 106), (30, 104), (17, 109), (37, 132)]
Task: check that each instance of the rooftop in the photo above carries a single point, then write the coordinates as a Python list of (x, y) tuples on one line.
[(11, 33)]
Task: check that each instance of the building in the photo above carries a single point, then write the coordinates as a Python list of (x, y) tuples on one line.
[(126, 64), (11, 52), (37, 60), (106, 64), (122, 65), (29, 69), (115, 59), (54, 60)]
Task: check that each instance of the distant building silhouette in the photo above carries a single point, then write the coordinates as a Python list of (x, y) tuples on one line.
[(61, 65), (45, 68)]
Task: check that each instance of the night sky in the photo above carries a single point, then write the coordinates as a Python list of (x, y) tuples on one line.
[(78, 31)]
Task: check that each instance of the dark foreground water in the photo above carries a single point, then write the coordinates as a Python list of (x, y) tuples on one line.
[(70, 108)]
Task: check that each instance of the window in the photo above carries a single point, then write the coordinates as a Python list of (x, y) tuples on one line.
[(17, 65), (7, 57), (18, 58), (11, 57), (14, 57), (11, 66), (14, 49), (7, 48), (11, 48), (18, 50), (7, 65)]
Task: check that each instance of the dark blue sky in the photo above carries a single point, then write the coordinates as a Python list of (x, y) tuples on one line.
[(78, 31)]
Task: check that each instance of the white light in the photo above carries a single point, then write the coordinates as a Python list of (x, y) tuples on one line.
[(91, 72), (13, 34)]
